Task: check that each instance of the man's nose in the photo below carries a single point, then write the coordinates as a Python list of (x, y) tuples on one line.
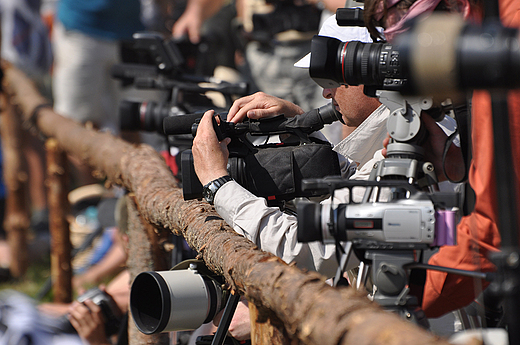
[(327, 93)]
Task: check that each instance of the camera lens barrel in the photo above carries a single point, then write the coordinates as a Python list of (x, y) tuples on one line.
[(143, 116), (176, 300), (354, 63), (313, 222)]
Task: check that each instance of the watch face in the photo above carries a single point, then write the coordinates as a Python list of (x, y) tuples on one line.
[(206, 193), (209, 190)]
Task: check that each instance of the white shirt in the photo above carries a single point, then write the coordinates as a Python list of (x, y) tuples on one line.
[(276, 232)]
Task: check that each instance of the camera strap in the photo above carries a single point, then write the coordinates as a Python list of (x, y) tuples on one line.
[(122, 335), (462, 119)]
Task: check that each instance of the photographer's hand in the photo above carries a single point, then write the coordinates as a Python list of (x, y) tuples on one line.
[(87, 319), (240, 326), (209, 155), (260, 105), (196, 12)]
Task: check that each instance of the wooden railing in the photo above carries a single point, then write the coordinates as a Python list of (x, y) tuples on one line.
[(288, 305)]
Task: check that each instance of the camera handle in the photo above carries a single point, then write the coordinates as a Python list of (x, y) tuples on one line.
[(225, 321)]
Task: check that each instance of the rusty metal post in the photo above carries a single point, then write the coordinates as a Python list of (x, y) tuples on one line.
[(17, 215), (146, 255), (61, 247)]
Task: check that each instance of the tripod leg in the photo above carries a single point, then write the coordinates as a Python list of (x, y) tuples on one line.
[(223, 326)]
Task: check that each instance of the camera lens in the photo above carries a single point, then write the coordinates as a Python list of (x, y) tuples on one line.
[(175, 300), (309, 221), (334, 63), (144, 116)]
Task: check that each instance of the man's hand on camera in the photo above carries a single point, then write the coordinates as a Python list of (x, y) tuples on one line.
[(260, 105), (87, 319), (209, 155)]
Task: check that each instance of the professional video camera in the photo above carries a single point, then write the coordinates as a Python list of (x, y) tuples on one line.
[(270, 170), (473, 57), (384, 235), (161, 65), (420, 221)]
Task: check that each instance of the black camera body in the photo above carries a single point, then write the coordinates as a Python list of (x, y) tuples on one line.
[(111, 312), (270, 170), (285, 16)]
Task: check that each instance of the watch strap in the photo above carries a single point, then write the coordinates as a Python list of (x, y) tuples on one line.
[(210, 189)]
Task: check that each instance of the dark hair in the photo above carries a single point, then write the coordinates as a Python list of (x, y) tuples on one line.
[(370, 10), (445, 5)]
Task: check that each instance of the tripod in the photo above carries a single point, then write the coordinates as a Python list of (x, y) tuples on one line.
[(405, 162), (405, 156)]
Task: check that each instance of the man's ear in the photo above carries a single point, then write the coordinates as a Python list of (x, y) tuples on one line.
[(465, 9), (468, 13)]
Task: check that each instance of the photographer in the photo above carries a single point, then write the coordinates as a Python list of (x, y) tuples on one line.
[(270, 229), (98, 315), (477, 233), (88, 318)]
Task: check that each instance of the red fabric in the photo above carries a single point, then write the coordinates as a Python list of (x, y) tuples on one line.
[(477, 233), (170, 161)]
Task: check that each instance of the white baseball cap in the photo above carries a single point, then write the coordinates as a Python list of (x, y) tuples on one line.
[(330, 28)]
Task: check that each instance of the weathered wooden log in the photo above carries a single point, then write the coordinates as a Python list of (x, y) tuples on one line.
[(17, 214), (144, 248), (311, 311), (61, 247)]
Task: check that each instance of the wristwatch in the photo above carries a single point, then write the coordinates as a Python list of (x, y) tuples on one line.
[(209, 190)]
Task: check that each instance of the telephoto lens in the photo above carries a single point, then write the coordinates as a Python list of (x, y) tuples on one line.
[(181, 299)]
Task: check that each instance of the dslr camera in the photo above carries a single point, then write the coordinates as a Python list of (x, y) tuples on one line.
[(441, 56), (111, 312)]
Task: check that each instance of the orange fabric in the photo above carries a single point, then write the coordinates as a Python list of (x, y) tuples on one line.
[(477, 233)]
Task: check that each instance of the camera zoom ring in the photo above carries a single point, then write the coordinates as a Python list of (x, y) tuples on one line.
[(348, 54)]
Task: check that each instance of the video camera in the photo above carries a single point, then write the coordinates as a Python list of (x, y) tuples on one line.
[(420, 221), (383, 234), (161, 66), (286, 15), (473, 57), (270, 170)]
